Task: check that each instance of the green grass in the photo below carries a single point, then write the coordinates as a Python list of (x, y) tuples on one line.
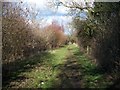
[(38, 70), (57, 68), (92, 76), (46, 73)]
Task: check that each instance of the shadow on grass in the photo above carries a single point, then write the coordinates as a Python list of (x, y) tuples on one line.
[(69, 76), (77, 72), (116, 84), (12, 71), (98, 76)]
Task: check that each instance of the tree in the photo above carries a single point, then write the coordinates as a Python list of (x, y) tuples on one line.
[(56, 36), (100, 31), (20, 39), (98, 34), (107, 45)]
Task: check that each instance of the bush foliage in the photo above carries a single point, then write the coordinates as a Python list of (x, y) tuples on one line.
[(21, 39), (99, 34)]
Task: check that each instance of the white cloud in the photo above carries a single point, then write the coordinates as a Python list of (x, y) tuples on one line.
[(62, 9), (37, 3), (42, 4), (58, 15), (60, 19)]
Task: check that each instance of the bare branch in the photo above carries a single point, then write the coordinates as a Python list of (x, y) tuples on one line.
[(75, 5)]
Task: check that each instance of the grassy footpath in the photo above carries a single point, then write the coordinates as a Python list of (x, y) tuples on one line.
[(37, 71), (64, 67)]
